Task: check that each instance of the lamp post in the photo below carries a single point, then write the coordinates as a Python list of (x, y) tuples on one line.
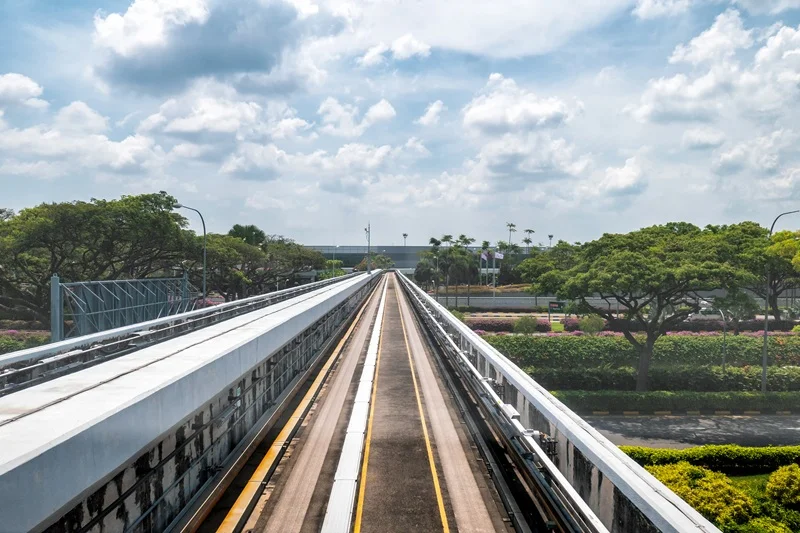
[(405, 236), (724, 333), (181, 206), (766, 308), (551, 239), (367, 231)]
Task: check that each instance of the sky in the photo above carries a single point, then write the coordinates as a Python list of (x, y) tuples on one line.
[(310, 118)]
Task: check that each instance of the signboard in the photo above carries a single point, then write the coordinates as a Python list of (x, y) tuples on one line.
[(557, 307)]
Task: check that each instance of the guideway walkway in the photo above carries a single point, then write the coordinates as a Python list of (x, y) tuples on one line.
[(418, 470)]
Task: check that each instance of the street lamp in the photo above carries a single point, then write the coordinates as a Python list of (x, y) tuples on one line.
[(181, 206), (551, 239), (707, 305), (766, 309), (405, 236)]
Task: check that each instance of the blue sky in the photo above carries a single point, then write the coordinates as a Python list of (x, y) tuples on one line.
[(311, 117)]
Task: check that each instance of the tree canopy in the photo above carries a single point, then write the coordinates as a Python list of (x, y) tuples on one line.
[(654, 274)]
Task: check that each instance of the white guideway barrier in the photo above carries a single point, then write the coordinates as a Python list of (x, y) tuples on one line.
[(339, 512)]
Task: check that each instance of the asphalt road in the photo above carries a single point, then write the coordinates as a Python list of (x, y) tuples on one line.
[(686, 431)]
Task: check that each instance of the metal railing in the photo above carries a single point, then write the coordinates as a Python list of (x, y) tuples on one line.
[(526, 404), (25, 367)]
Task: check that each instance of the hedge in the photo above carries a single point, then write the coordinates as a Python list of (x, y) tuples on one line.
[(12, 341), (585, 352), (729, 459), (491, 324), (681, 401), (678, 378), (695, 326)]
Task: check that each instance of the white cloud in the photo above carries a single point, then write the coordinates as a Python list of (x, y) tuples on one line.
[(190, 150), (719, 42), (78, 116), (432, 114), (146, 23), (761, 155), (680, 98), (341, 119), (18, 89), (651, 9), (402, 48), (771, 7), (407, 46), (373, 56), (215, 115), (623, 181), (502, 106), (702, 139)]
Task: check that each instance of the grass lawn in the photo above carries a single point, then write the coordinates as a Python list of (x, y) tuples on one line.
[(558, 327), (755, 485)]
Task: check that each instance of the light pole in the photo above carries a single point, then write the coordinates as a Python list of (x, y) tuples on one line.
[(551, 239), (367, 231), (766, 308), (724, 333), (405, 236), (181, 206)]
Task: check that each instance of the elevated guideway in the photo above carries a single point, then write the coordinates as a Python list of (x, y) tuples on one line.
[(358, 405)]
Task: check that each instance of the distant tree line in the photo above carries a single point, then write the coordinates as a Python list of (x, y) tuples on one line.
[(654, 276), (129, 238)]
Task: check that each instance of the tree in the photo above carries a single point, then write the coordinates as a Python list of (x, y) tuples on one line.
[(333, 269), (528, 242), (528, 239), (425, 272), (377, 261), (512, 228), (252, 235), (6, 214), (653, 273), (737, 305), (447, 239), (133, 237)]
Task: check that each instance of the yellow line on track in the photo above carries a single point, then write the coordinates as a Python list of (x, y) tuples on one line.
[(437, 488), (250, 490), (362, 483)]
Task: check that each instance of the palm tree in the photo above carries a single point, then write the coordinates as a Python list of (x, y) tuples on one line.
[(447, 239), (512, 228), (466, 242), (435, 244), (527, 241), (529, 232)]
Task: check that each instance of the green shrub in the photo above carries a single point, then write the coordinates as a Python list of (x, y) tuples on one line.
[(680, 401), (592, 324), (761, 525), (796, 329), (729, 459), (712, 494), (526, 324), (597, 351), (696, 378), (458, 314), (784, 486)]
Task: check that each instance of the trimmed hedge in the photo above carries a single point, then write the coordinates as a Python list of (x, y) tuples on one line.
[(677, 378), (491, 324), (692, 326), (729, 459), (13, 341), (564, 351), (681, 401)]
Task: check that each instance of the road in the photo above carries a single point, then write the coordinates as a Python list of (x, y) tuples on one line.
[(686, 431)]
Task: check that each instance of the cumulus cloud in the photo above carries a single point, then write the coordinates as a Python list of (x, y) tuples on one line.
[(623, 181), (652, 9), (162, 45), (767, 7), (719, 42), (762, 155), (78, 116), (432, 114), (402, 48), (341, 120), (16, 89), (407, 46), (702, 139), (502, 106)]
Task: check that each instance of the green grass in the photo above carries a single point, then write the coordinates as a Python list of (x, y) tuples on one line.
[(755, 485), (558, 327)]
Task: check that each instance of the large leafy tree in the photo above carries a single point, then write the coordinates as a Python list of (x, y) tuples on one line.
[(135, 236), (252, 235), (654, 274)]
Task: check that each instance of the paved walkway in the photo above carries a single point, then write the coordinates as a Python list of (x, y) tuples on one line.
[(687, 431)]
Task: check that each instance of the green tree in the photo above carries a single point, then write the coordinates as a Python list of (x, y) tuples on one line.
[(133, 237), (378, 261), (737, 305), (512, 228), (425, 271), (252, 235), (654, 274)]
